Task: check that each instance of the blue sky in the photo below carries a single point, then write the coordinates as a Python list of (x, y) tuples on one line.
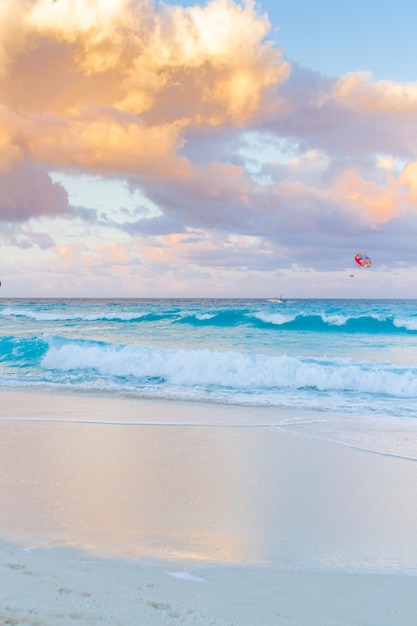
[(340, 37), (198, 149)]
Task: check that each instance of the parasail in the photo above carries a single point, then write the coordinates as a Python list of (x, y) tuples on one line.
[(362, 260)]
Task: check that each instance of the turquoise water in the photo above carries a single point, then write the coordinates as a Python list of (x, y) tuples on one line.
[(343, 371), (328, 357)]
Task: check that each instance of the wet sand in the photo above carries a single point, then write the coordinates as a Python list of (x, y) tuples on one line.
[(159, 521)]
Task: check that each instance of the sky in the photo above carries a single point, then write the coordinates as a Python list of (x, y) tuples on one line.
[(208, 149)]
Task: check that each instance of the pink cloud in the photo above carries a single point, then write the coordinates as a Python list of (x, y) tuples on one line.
[(26, 191)]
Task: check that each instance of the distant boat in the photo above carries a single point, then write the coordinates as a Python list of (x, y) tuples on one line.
[(281, 300)]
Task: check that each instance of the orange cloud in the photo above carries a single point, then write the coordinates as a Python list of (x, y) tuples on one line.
[(106, 142), (199, 247), (384, 96), (69, 252), (408, 178), (114, 252), (115, 255), (372, 203), (112, 85), (10, 150)]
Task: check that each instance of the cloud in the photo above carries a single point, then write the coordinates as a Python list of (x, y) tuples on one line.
[(222, 197), (106, 142), (384, 96), (10, 150), (296, 219), (333, 115), (371, 204), (245, 160), (32, 238), (27, 190), (408, 178), (110, 87), (24, 238)]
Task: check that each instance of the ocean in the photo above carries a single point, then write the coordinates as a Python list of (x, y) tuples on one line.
[(344, 370)]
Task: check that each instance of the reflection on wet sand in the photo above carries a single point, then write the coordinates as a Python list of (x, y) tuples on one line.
[(201, 493), (136, 491)]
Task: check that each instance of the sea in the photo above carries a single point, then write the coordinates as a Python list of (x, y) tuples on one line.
[(344, 370)]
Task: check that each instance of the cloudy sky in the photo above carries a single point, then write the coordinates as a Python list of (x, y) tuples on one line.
[(218, 149)]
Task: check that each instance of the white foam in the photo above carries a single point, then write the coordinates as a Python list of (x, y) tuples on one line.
[(205, 316), (407, 323), (42, 316), (275, 318), (187, 576), (233, 370)]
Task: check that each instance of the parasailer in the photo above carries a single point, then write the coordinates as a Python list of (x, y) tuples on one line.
[(362, 260)]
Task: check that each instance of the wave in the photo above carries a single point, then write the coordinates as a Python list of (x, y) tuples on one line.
[(324, 386), (371, 324), (342, 323), (61, 359), (289, 320), (22, 352), (42, 316)]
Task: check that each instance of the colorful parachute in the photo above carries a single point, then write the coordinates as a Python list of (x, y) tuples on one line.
[(362, 260)]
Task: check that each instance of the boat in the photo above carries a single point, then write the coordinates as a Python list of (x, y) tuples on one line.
[(280, 299)]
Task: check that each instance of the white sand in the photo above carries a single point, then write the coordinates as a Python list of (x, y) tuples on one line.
[(62, 586), (166, 524)]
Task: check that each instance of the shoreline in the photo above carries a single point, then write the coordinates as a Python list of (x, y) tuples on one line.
[(65, 586), (125, 525), (215, 493)]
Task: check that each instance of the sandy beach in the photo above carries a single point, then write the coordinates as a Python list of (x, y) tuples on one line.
[(122, 512), (63, 586)]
